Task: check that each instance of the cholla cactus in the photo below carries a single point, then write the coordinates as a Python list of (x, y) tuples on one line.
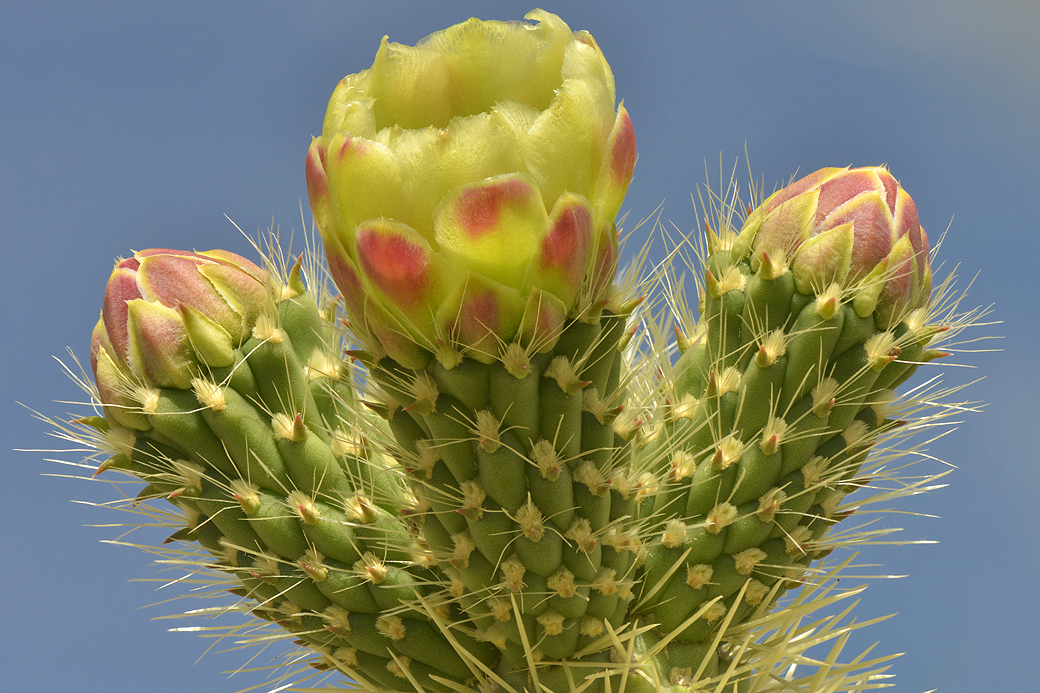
[(499, 488)]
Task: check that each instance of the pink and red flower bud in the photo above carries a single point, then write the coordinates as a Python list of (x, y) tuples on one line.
[(165, 314), (857, 227)]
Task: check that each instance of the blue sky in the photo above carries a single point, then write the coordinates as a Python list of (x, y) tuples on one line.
[(133, 125)]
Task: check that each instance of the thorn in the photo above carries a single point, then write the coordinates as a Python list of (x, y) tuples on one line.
[(308, 515), (627, 337), (926, 333), (359, 355), (681, 341), (712, 389), (299, 431), (713, 284), (378, 407), (762, 357), (626, 307), (119, 461), (828, 309), (767, 264), (713, 238), (295, 282)]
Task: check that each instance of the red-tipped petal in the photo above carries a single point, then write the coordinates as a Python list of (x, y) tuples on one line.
[(838, 190), (872, 226), (122, 287), (172, 279), (618, 166), (159, 351), (562, 257), (399, 264), (394, 337), (802, 185), (318, 193), (787, 226), (481, 315), (543, 320)]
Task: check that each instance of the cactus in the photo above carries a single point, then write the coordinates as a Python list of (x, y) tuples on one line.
[(493, 474), (481, 288)]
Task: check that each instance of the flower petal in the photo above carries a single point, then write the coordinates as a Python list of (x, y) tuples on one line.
[(902, 286), (367, 181), (492, 227), (409, 85), (786, 228), (561, 145), (159, 351), (872, 223), (394, 336), (562, 256), (173, 279), (619, 163), (480, 315), (823, 259), (402, 271), (544, 316), (436, 161), (122, 287)]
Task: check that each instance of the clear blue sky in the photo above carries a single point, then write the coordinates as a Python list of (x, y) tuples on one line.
[(133, 125)]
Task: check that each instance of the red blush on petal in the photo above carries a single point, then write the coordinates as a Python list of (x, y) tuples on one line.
[(843, 188), (567, 242), (399, 268), (623, 155), (479, 210), (479, 315)]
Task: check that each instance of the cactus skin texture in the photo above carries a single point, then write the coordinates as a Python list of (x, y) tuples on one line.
[(779, 394), (500, 488)]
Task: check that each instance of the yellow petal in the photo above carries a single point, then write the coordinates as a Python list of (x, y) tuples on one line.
[(350, 108), (439, 160), (409, 84), (559, 149), (493, 226), (366, 180)]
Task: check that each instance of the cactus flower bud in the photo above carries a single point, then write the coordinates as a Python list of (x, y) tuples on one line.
[(466, 188), (857, 227), (166, 314)]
